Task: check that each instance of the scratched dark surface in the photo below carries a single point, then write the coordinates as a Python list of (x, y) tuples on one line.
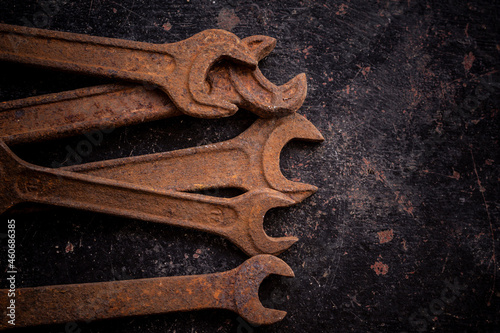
[(403, 232)]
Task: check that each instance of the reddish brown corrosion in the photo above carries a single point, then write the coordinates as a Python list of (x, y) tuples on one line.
[(121, 187), (236, 290), (209, 75), (182, 70), (79, 111), (248, 162)]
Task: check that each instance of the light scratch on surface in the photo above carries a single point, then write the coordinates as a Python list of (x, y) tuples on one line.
[(481, 189), (90, 8), (132, 12)]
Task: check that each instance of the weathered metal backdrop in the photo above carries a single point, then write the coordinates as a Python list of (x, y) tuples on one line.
[(403, 232)]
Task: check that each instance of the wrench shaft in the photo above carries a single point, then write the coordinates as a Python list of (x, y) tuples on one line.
[(116, 58), (238, 219), (41, 185), (248, 162), (116, 299), (81, 111), (213, 166)]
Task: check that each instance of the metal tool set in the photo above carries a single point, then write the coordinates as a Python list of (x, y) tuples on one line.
[(157, 187)]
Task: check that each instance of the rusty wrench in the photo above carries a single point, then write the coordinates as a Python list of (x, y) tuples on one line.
[(80, 111), (248, 162), (238, 219), (179, 69), (236, 290)]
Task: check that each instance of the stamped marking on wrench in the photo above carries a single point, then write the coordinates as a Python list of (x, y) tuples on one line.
[(236, 290), (248, 162), (179, 69), (240, 219)]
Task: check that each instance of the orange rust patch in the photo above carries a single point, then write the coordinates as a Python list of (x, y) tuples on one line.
[(342, 9), (468, 61), (380, 268), (385, 236)]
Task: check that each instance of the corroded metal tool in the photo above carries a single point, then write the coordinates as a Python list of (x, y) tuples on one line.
[(148, 187), (239, 219), (182, 69), (80, 111), (236, 290), (248, 162)]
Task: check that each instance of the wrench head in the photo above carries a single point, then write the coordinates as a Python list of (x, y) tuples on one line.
[(241, 84), (260, 95), (249, 277), (250, 235), (217, 45), (287, 128)]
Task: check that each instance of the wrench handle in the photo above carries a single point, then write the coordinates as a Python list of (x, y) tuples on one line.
[(103, 300), (81, 111), (220, 165), (66, 189), (23, 182), (100, 56)]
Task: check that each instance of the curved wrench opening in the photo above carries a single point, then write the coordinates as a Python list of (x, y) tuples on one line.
[(226, 46), (250, 275), (260, 95), (251, 236), (249, 89), (282, 131)]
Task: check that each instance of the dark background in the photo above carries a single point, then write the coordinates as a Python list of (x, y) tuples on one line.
[(406, 96)]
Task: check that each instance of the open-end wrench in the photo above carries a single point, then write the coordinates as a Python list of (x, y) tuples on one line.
[(236, 290), (179, 69), (239, 219), (247, 162)]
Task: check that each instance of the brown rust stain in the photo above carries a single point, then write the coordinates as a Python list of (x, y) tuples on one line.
[(342, 9), (468, 61), (167, 26), (380, 268), (227, 19), (69, 247), (385, 236)]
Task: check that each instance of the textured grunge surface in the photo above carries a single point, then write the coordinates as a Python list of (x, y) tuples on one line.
[(402, 235)]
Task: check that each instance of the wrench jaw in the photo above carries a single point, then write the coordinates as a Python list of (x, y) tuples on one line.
[(247, 87), (263, 97), (250, 235), (291, 127), (259, 94), (213, 46), (260, 45), (246, 290)]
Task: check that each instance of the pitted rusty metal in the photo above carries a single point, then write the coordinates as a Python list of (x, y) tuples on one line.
[(248, 162), (81, 111), (148, 187), (179, 69), (236, 290), (238, 219), (208, 75)]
